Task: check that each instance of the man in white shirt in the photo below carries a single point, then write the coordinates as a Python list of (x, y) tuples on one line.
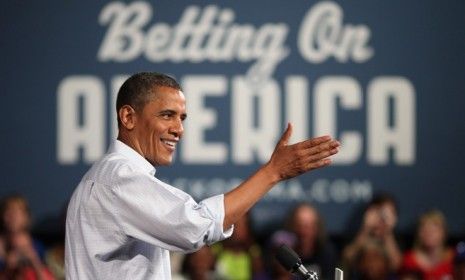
[(122, 221)]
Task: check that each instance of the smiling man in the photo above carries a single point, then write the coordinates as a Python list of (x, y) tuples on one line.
[(122, 221)]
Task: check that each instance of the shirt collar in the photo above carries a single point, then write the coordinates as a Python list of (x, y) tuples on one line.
[(133, 156)]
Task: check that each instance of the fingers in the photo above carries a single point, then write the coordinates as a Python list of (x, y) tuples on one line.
[(314, 141), (318, 164), (316, 152), (286, 135), (293, 160), (322, 155), (323, 150)]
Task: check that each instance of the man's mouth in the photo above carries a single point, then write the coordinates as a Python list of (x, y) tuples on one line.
[(170, 144)]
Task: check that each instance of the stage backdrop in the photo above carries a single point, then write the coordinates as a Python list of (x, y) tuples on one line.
[(384, 77)]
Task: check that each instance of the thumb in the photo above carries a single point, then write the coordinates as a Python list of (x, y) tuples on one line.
[(286, 135)]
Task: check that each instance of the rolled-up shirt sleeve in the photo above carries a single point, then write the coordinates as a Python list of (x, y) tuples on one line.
[(215, 207), (152, 211)]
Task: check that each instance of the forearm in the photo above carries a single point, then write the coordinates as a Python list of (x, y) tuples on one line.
[(353, 248), (239, 200), (393, 252)]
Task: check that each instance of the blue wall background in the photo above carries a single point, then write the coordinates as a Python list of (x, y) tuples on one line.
[(45, 45)]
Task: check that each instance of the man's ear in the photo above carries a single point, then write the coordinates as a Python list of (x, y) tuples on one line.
[(127, 116)]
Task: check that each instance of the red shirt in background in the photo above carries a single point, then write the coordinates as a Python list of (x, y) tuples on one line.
[(442, 271)]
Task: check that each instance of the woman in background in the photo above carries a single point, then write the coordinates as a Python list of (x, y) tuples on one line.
[(19, 253), (430, 256)]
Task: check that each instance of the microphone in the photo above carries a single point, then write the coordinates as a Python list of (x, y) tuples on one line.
[(291, 262)]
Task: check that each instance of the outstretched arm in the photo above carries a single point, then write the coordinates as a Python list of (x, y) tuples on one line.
[(287, 161)]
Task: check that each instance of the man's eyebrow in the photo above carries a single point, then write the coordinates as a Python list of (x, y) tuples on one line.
[(172, 112), (168, 111)]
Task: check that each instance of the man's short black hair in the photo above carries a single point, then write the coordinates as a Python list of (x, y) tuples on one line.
[(137, 89), (382, 198)]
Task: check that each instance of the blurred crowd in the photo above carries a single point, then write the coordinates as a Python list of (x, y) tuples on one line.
[(373, 252)]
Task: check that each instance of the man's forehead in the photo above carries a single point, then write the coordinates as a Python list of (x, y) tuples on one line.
[(164, 91), (168, 97)]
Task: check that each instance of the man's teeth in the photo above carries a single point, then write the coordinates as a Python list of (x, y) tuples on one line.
[(170, 143)]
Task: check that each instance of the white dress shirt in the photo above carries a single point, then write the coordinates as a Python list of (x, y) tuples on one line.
[(122, 221)]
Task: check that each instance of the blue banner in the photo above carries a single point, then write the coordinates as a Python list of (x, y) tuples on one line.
[(384, 77)]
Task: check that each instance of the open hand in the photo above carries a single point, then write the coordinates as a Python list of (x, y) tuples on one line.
[(288, 161)]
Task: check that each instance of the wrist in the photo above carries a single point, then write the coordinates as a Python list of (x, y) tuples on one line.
[(270, 174)]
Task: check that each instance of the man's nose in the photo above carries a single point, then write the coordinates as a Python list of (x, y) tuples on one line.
[(177, 128)]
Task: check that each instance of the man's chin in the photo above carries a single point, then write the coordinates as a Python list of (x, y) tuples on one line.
[(161, 162)]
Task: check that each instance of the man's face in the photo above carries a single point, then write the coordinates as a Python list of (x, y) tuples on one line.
[(306, 223), (159, 126)]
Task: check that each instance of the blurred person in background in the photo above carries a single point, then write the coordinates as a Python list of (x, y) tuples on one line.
[(55, 255), (276, 270), (379, 220), (459, 261), (372, 263), (312, 245), (239, 257), (430, 255), (306, 235), (200, 265), (20, 254)]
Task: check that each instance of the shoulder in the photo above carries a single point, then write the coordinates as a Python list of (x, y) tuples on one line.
[(112, 168)]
